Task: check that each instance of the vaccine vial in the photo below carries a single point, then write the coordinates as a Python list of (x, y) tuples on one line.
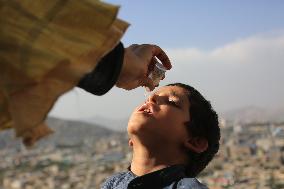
[(157, 74)]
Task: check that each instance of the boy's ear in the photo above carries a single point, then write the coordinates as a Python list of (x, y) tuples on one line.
[(196, 144), (130, 143)]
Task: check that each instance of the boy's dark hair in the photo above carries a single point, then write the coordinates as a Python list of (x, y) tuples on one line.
[(203, 123)]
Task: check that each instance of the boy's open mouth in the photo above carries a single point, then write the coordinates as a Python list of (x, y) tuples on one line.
[(147, 108)]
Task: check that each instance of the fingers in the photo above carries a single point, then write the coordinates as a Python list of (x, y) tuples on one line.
[(155, 51), (162, 56), (151, 66)]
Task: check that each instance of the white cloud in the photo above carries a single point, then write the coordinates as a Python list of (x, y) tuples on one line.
[(245, 72), (256, 49)]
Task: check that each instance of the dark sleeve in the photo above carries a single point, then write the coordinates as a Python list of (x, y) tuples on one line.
[(105, 75)]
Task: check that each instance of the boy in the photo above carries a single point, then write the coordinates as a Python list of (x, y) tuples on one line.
[(174, 135)]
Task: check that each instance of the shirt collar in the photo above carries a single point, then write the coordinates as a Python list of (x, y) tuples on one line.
[(158, 179)]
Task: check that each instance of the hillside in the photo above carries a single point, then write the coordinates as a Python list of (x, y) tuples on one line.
[(66, 133)]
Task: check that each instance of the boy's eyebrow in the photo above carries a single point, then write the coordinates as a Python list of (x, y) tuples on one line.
[(173, 93)]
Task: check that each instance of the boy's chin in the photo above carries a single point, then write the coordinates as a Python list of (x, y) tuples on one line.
[(138, 129)]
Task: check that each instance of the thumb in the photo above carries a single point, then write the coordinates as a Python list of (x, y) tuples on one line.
[(147, 82)]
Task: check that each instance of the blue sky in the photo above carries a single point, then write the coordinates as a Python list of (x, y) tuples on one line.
[(231, 51), (202, 24)]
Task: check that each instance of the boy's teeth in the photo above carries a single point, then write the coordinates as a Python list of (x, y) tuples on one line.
[(147, 110)]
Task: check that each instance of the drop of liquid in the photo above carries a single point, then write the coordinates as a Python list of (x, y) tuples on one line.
[(147, 93)]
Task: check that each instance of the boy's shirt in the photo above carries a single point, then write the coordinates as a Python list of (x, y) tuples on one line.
[(168, 178)]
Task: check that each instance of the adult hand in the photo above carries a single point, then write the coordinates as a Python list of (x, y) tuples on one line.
[(139, 61)]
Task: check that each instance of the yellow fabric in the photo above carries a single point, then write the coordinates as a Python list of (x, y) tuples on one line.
[(45, 48)]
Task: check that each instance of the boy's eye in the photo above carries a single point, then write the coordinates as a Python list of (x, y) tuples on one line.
[(172, 102)]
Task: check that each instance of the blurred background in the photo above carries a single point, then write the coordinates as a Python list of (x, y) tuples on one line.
[(231, 51)]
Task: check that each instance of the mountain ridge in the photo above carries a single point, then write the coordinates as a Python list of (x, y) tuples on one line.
[(66, 132)]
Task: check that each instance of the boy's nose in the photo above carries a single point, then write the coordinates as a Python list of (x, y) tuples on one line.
[(152, 98)]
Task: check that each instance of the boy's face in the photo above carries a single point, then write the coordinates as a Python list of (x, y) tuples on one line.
[(161, 119)]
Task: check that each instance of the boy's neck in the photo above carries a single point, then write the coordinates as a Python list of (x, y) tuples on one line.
[(146, 160)]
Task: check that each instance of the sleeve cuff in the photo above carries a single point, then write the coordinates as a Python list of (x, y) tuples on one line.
[(105, 74)]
